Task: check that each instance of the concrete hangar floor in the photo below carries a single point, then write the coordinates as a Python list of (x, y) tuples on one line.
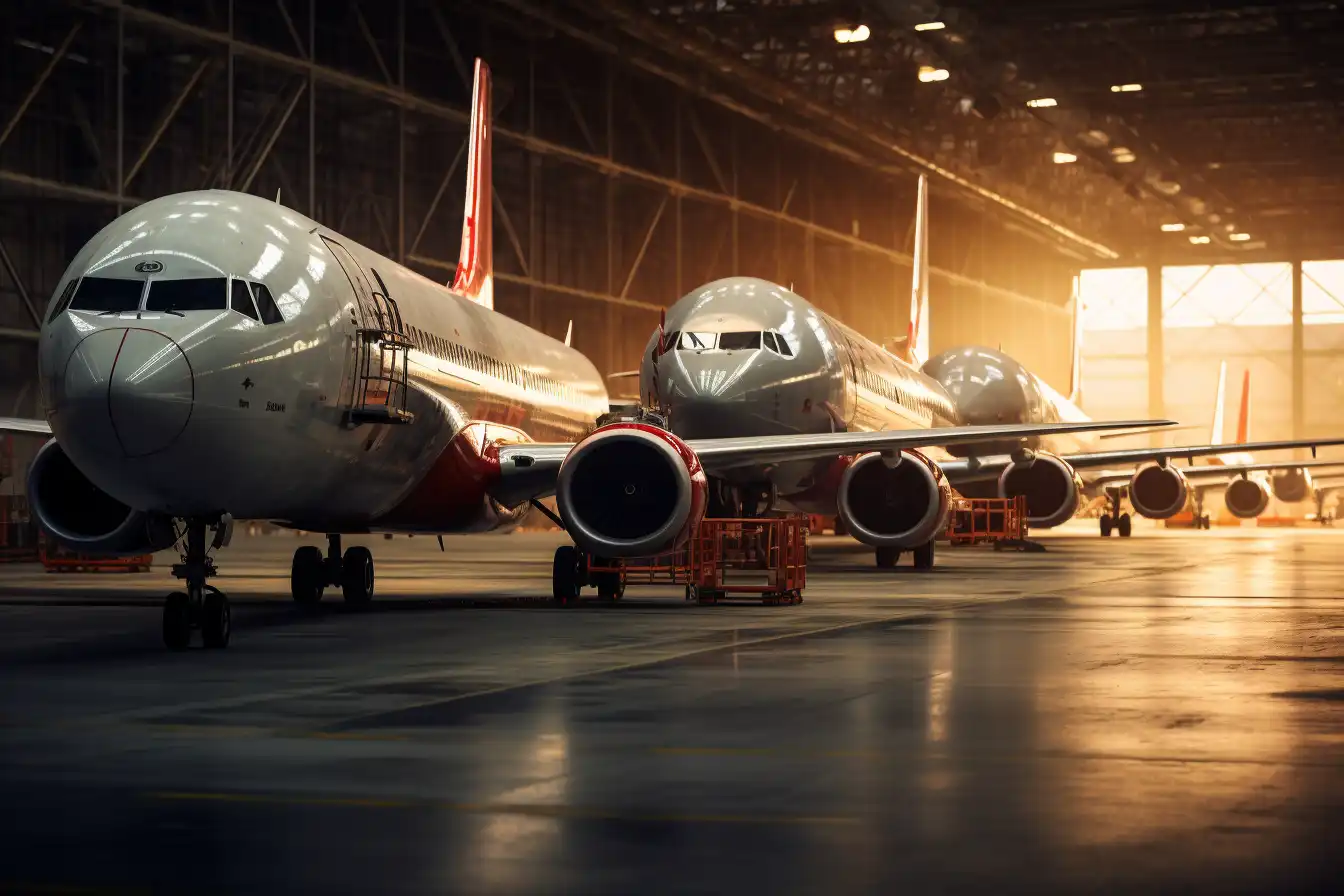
[(1162, 713)]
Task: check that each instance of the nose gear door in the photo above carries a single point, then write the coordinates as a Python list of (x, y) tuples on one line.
[(378, 388)]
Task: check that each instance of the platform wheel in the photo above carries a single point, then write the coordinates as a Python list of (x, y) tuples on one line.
[(307, 575), (177, 621), (1105, 525), (565, 576), (1123, 526), (924, 555), (357, 576), (887, 556), (705, 596)]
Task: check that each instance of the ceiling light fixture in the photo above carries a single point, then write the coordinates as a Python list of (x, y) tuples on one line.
[(1065, 158), (1126, 88), (856, 35), (1239, 237), (928, 73), (931, 26), (1044, 102), (1177, 227), (1199, 240), (1123, 155)]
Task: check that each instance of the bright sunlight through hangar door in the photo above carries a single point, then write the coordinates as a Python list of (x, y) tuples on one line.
[(1115, 342)]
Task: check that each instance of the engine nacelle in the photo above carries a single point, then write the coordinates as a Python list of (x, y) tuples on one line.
[(83, 517), (904, 506), (1246, 498), (1157, 492), (631, 490), (1292, 486), (1051, 486)]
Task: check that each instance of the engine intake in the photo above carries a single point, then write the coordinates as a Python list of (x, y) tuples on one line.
[(1051, 486), (1292, 486), (1157, 492), (1246, 498), (83, 517), (631, 490), (904, 506)]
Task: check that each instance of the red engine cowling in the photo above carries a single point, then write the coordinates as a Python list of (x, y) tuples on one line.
[(1158, 493), (904, 506), (1051, 486), (1246, 498), (631, 490)]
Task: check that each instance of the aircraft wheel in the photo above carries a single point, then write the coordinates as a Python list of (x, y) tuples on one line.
[(565, 576), (1105, 525), (610, 588), (177, 621), (307, 575), (357, 576), (1206, 521), (216, 619), (887, 557), (1124, 525), (924, 555)]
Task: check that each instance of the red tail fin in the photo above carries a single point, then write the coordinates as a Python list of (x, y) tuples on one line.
[(475, 277), (1244, 415)]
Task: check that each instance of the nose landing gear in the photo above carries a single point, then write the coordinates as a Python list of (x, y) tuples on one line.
[(1115, 520), (202, 605)]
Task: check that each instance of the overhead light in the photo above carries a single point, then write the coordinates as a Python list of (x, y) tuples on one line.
[(1239, 237), (1199, 240), (1123, 155), (1064, 158), (857, 34), (1126, 88), (1044, 102), (1177, 227), (929, 73), (931, 26)]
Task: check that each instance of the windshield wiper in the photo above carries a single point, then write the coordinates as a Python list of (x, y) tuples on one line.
[(168, 311), (113, 311)]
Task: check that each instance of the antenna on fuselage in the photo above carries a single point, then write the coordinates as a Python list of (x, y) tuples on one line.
[(277, 195), (569, 332)]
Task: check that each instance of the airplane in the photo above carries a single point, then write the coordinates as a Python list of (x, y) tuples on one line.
[(744, 357), (1323, 489), (214, 356)]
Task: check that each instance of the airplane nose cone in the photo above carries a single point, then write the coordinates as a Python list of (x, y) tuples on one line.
[(127, 387)]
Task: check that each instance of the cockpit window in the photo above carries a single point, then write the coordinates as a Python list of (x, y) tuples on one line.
[(107, 294), (769, 340), (204, 294), (64, 301), (735, 341), (270, 312), (240, 299), (784, 348), (698, 341)]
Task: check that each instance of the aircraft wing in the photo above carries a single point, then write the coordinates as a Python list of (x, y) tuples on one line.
[(528, 470), (24, 426), (1217, 471)]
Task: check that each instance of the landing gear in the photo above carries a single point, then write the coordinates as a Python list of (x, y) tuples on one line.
[(1115, 520), (1106, 525), (924, 555), (311, 573), (201, 605), (565, 579), (887, 557), (1122, 526)]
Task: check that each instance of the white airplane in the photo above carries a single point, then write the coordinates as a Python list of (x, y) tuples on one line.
[(214, 356), (743, 357)]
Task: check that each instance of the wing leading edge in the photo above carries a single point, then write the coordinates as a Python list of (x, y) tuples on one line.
[(24, 426)]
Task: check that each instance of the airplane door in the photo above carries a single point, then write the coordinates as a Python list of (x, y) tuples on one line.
[(364, 303)]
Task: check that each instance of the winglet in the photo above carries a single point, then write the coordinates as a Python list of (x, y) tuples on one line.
[(569, 332), (1219, 407), (1244, 414), (475, 276), (1076, 361), (917, 340)]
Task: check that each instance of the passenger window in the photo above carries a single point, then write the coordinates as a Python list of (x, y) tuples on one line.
[(270, 312), (107, 294), (64, 301), (240, 299), (204, 294)]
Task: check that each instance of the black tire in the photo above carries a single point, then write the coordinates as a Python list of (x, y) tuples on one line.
[(565, 576), (357, 576), (1105, 525), (924, 555), (887, 557), (610, 588), (1124, 525), (177, 621), (216, 620), (307, 576)]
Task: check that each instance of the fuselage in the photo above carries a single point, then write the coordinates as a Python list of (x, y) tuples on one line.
[(746, 357), (232, 393)]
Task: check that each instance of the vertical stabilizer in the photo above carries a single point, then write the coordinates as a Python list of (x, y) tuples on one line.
[(1244, 414), (1076, 359), (475, 277), (1219, 407), (917, 340)]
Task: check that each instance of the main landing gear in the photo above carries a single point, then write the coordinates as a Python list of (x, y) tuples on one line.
[(201, 606), (887, 556), (1115, 519), (570, 574), (311, 573)]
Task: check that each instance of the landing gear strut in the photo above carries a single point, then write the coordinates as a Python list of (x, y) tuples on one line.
[(1116, 520), (202, 605), (311, 573)]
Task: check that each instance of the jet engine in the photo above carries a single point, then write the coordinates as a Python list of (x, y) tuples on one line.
[(1292, 486), (901, 506), (631, 490), (1246, 498), (1051, 486), (85, 518), (1158, 492)]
